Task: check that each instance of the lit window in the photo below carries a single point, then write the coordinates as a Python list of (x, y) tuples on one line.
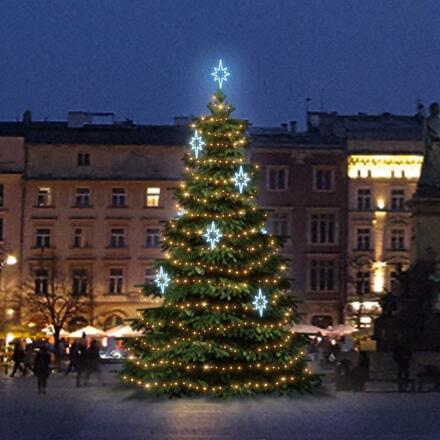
[(83, 159), (322, 229), (397, 239), (152, 238), (153, 197), (397, 199), (41, 281), (322, 275), (363, 239), (278, 224), (117, 238), (323, 179), (363, 199), (80, 282), (44, 197), (362, 282), (82, 197), (149, 275), (116, 280), (276, 178), (42, 236), (119, 198)]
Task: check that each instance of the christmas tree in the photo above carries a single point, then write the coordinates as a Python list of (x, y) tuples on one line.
[(223, 325)]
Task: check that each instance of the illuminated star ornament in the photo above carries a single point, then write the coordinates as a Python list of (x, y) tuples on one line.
[(197, 144), (213, 235), (241, 179), (181, 212), (220, 74), (260, 302), (162, 280)]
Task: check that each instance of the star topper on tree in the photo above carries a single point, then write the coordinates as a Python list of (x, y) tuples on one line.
[(220, 74)]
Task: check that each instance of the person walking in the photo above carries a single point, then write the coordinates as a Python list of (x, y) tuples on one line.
[(74, 354), (402, 356), (28, 359), (92, 360), (17, 358), (42, 369), (81, 361)]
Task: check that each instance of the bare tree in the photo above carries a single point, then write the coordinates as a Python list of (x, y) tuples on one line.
[(50, 298)]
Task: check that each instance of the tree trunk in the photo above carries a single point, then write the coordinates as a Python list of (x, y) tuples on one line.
[(56, 348)]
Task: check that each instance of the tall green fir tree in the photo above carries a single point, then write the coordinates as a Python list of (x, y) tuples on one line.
[(223, 327)]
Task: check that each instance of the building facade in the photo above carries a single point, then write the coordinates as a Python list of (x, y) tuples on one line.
[(88, 202)]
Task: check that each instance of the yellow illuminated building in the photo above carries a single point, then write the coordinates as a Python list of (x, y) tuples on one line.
[(380, 186)]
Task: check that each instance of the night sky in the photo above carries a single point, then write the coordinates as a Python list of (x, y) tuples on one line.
[(150, 60)]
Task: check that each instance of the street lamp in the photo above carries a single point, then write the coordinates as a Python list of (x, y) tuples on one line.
[(11, 260)]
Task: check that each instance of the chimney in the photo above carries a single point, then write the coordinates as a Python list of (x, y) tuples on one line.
[(293, 128), (78, 119), (284, 127), (27, 117)]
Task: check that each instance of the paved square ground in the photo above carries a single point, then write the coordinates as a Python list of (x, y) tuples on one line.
[(110, 411)]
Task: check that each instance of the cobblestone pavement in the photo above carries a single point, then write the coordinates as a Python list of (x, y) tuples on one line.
[(108, 411)]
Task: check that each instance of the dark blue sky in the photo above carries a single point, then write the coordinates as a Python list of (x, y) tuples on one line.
[(150, 60)]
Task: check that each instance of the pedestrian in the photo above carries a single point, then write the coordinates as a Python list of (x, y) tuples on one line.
[(17, 358), (42, 368), (81, 362), (362, 371), (28, 359), (74, 353), (402, 356), (92, 360)]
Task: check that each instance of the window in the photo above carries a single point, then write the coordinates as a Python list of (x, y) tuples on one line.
[(80, 282), (395, 274), (119, 197), (323, 179), (152, 197), (42, 238), (152, 238), (322, 275), (397, 199), (2, 230), (82, 197), (322, 321), (362, 282), (363, 199), (363, 239), (116, 281), (44, 196), (112, 321), (278, 224), (397, 239), (149, 275), (83, 159), (2, 195), (117, 237), (322, 229), (277, 178), (41, 280), (79, 238)]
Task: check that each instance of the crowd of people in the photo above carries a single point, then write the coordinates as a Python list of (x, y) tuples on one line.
[(41, 358)]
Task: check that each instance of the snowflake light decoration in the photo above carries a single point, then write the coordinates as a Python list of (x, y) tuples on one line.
[(241, 179), (213, 235), (197, 143), (220, 74), (162, 280), (264, 231), (181, 212), (260, 302)]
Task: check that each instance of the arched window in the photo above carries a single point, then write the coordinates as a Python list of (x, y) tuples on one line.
[(76, 323), (322, 321), (113, 321)]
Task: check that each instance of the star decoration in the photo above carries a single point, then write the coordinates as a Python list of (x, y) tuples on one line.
[(220, 74), (213, 235), (260, 302), (162, 280), (241, 179), (181, 212), (264, 231), (197, 144)]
